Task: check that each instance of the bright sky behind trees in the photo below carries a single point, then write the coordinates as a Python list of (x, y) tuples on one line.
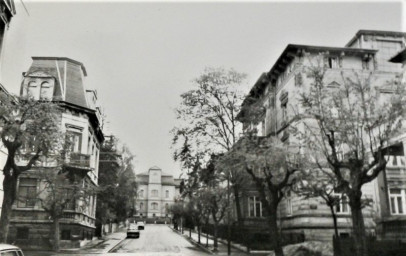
[(140, 56)]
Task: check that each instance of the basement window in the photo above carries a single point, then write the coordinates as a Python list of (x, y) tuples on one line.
[(23, 233)]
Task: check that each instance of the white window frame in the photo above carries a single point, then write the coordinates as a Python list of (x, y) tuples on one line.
[(394, 206), (253, 203), (342, 207), (289, 208), (154, 192), (154, 206)]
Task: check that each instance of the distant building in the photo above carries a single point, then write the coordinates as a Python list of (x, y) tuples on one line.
[(61, 80), (156, 193), (277, 91)]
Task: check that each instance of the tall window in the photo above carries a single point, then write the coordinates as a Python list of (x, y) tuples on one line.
[(27, 193), (333, 62), (154, 192), (284, 110), (141, 193), (342, 206), (76, 140), (68, 195), (166, 208), (154, 206), (397, 199), (141, 206), (289, 208), (254, 207), (167, 193)]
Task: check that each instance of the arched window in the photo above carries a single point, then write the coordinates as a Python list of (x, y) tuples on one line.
[(154, 206), (32, 90), (166, 208), (167, 193), (46, 91), (141, 193)]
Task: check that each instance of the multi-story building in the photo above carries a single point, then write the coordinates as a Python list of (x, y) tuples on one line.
[(156, 193), (7, 12), (391, 184), (278, 92), (61, 80)]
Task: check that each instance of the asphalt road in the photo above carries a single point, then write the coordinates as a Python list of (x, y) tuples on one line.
[(157, 240), (154, 240)]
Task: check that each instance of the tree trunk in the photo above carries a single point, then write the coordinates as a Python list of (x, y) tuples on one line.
[(56, 234), (198, 234), (334, 216), (207, 238), (238, 206), (274, 233), (10, 189), (358, 224), (215, 243)]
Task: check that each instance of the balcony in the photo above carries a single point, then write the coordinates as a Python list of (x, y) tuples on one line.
[(79, 163)]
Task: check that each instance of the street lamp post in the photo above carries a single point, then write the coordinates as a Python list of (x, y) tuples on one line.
[(228, 216)]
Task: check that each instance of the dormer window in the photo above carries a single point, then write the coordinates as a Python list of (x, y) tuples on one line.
[(46, 91), (32, 89)]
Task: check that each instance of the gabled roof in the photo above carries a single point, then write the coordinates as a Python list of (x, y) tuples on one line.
[(155, 168)]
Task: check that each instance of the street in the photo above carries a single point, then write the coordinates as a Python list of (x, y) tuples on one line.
[(157, 240), (154, 240)]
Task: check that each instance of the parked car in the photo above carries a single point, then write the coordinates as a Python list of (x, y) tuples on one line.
[(133, 231), (10, 250), (140, 225)]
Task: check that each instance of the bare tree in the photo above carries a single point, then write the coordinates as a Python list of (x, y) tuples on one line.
[(61, 192), (271, 166), (210, 127), (29, 130), (351, 126), (215, 201)]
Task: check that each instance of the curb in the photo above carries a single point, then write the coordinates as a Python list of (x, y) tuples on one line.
[(192, 241)]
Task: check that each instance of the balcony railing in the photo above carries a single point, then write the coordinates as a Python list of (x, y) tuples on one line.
[(79, 160)]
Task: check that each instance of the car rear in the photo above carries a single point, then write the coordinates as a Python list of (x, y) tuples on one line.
[(133, 232)]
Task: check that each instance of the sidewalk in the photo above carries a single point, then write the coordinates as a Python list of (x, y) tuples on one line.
[(102, 245), (237, 250)]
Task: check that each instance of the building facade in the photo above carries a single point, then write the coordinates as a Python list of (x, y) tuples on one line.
[(156, 193), (391, 184), (61, 80), (8, 11), (278, 92)]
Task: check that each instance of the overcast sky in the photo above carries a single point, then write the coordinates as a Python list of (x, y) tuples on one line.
[(140, 56)]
